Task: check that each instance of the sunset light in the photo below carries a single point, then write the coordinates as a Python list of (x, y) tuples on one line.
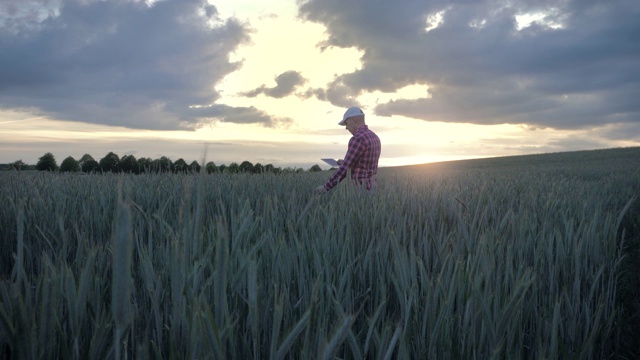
[(269, 81)]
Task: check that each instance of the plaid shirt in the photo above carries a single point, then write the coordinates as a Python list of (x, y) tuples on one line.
[(362, 159)]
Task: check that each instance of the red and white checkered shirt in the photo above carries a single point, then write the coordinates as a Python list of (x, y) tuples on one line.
[(362, 159)]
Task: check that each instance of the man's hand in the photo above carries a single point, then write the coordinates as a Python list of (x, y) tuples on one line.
[(320, 190)]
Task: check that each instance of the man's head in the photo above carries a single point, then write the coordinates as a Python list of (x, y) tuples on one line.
[(352, 119)]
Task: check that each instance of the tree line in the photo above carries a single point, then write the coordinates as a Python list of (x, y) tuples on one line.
[(129, 164)]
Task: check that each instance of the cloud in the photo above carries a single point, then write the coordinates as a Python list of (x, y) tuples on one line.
[(239, 115), (336, 93), (120, 62), (621, 132), (286, 84), (550, 63)]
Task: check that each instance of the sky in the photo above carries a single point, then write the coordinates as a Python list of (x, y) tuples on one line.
[(268, 81)]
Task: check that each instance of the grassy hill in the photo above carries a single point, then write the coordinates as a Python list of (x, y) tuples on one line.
[(515, 257), (586, 158)]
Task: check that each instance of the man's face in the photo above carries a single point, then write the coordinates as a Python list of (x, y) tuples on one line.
[(350, 124)]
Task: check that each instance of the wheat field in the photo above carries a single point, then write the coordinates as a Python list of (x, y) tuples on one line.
[(507, 258)]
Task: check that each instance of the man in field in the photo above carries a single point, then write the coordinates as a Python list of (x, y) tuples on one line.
[(362, 155)]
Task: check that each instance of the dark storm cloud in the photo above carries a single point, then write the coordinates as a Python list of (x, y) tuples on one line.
[(119, 62), (480, 68), (286, 84)]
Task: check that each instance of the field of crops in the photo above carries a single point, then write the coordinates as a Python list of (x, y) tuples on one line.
[(510, 258)]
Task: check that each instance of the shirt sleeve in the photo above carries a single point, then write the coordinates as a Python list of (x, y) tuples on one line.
[(354, 151)]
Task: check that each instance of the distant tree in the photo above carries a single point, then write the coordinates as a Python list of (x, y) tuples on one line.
[(17, 165), (223, 168), (269, 168), (299, 170), (315, 168), (165, 164), (110, 163), (211, 167), (129, 164), (246, 167), (233, 168), (83, 160), (85, 157), (69, 165), (90, 165), (145, 164), (258, 168), (194, 166), (180, 166), (155, 166), (47, 162)]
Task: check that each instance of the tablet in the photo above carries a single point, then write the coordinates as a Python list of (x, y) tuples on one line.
[(331, 162)]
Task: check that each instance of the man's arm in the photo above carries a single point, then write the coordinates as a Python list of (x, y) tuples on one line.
[(354, 151)]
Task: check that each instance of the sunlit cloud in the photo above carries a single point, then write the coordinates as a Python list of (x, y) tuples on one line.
[(434, 20), (550, 18)]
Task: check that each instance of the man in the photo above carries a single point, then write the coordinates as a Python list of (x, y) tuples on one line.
[(362, 155)]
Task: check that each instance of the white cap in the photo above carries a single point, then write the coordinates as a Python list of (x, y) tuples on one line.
[(352, 111)]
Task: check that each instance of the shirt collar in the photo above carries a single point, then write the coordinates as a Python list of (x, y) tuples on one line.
[(361, 128)]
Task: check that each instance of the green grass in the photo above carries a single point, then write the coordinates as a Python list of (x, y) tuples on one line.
[(517, 257)]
